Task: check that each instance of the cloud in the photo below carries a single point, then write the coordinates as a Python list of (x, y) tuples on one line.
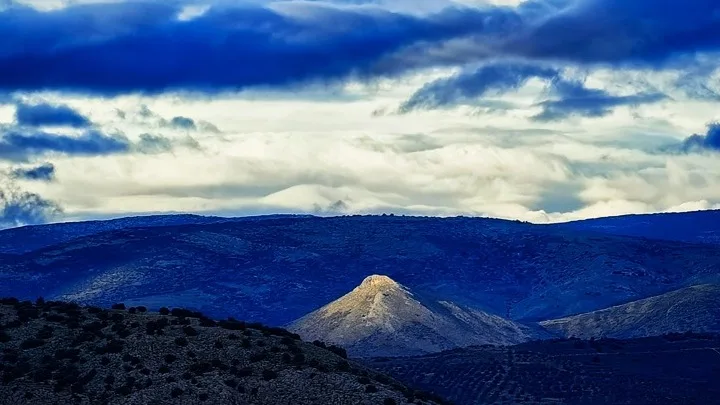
[(468, 87), (620, 32), (142, 47), (570, 97), (20, 145), (709, 141), (574, 99), (183, 123), (44, 114), (44, 172), (19, 207)]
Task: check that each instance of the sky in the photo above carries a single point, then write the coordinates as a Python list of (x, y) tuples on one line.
[(537, 110)]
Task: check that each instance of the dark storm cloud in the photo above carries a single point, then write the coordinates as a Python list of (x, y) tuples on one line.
[(468, 87), (44, 172), (19, 207), (622, 32), (709, 141), (143, 47), (21, 145), (574, 99), (45, 114)]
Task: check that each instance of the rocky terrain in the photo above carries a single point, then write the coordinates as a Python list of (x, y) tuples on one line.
[(277, 270), (672, 369), (383, 318), (695, 308), (60, 353)]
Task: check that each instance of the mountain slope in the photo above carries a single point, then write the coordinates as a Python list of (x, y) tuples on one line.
[(277, 270), (692, 227), (681, 369), (383, 318), (58, 353), (695, 309)]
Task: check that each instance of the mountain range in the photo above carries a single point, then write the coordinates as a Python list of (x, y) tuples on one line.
[(444, 282)]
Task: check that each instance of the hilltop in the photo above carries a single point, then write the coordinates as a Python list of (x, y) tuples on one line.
[(383, 318), (61, 353)]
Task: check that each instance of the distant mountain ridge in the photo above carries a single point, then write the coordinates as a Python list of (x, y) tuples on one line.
[(691, 227), (28, 238), (383, 318), (695, 309)]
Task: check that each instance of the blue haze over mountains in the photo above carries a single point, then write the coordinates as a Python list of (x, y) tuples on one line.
[(276, 269)]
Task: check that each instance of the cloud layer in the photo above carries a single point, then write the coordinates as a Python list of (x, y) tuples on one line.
[(148, 47), (542, 110)]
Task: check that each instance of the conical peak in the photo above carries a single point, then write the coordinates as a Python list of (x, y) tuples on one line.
[(378, 281)]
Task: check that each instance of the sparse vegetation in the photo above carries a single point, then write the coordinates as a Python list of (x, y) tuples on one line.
[(106, 355)]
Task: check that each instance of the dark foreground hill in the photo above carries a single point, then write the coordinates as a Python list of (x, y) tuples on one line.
[(278, 270), (674, 369), (59, 353)]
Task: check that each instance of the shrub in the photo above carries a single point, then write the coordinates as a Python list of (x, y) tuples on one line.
[(31, 343), (245, 372), (132, 310), (246, 343), (185, 313), (164, 369), (268, 375), (119, 306), (189, 331), (364, 380), (141, 309), (203, 396), (232, 325), (94, 310), (169, 358), (338, 350), (389, 401), (256, 357), (164, 311), (371, 389), (218, 344), (201, 368), (181, 341), (4, 337), (343, 365)]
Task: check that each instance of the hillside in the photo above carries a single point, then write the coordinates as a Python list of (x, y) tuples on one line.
[(383, 318), (278, 270), (56, 352), (692, 227), (676, 369), (695, 308), (28, 238)]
